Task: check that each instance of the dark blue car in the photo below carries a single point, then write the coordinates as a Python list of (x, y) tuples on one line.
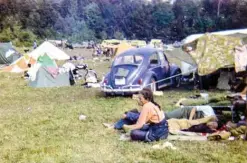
[(138, 68)]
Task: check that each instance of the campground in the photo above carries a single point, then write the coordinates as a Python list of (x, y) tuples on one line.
[(42, 125)]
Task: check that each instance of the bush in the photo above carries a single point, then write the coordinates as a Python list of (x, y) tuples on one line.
[(18, 36)]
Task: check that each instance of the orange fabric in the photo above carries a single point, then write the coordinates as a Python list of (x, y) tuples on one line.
[(7, 69), (32, 61), (22, 64), (150, 114)]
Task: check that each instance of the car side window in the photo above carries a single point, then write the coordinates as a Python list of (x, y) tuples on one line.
[(163, 59), (154, 59)]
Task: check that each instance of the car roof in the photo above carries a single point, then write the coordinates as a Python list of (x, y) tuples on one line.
[(144, 51)]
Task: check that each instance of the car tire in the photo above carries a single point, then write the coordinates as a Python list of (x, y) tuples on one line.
[(106, 94), (153, 85), (176, 81)]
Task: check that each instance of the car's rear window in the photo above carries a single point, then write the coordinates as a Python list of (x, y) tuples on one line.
[(122, 72), (128, 59)]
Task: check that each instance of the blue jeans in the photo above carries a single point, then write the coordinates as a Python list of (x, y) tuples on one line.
[(153, 132), (147, 133), (131, 118)]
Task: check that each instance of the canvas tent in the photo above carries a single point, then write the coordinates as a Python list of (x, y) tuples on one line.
[(212, 52), (45, 73), (178, 53), (8, 54), (138, 43), (122, 47), (20, 65), (239, 33), (47, 48), (113, 42), (45, 79), (118, 49)]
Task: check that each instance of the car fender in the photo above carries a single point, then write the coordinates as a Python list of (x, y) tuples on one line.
[(147, 78), (106, 76), (173, 69)]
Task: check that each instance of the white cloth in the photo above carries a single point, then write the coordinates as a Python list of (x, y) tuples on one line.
[(91, 79), (240, 58), (68, 66), (32, 72), (62, 70), (187, 68), (206, 109), (9, 53)]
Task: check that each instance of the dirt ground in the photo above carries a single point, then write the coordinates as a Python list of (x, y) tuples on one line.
[(87, 53)]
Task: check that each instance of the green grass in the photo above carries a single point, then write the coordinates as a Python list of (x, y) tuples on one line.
[(42, 125)]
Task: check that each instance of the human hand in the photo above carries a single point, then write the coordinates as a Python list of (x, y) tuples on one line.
[(126, 128), (124, 116)]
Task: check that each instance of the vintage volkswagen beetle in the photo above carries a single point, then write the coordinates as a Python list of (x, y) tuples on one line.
[(137, 68)]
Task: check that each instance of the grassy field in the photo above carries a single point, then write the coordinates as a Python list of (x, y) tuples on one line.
[(42, 125)]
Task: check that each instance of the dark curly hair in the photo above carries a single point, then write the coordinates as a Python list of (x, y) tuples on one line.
[(148, 95)]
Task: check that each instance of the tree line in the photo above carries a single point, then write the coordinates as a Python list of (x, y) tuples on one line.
[(22, 21)]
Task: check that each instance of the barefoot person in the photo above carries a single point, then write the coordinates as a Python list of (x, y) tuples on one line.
[(151, 124)]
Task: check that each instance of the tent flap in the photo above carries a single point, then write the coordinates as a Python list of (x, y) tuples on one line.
[(214, 52), (8, 54), (45, 79), (49, 49)]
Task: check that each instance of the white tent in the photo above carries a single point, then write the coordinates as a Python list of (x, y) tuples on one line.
[(52, 51), (194, 37)]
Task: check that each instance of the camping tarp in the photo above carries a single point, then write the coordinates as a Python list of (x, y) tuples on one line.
[(235, 33), (213, 52), (122, 47), (52, 51), (46, 48), (8, 54), (178, 53), (138, 43), (45, 79), (20, 65)]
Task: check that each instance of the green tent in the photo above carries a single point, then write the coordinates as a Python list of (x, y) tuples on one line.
[(8, 54), (44, 76), (45, 60), (212, 52), (44, 79)]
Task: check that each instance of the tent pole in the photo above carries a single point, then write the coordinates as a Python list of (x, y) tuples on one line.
[(200, 82)]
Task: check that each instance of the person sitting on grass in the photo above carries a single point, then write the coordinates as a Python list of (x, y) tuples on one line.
[(151, 124), (190, 112), (142, 124), (201, 125)]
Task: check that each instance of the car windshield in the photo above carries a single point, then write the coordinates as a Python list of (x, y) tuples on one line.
[(128, 59)]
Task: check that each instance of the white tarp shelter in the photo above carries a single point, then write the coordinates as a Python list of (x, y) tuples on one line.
[(52, 51), (194, 37)]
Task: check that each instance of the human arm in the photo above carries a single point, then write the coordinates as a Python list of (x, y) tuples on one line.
[(192, 113), (141, 120)]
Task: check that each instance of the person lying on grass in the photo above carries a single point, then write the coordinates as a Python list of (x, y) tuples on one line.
[(202, 125), (191, 112), (151, 124)]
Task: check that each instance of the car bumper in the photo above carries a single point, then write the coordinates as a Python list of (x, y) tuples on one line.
[(125, 89)]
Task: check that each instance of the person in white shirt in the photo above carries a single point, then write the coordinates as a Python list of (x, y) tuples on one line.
[(205, 109), (191, 112)]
